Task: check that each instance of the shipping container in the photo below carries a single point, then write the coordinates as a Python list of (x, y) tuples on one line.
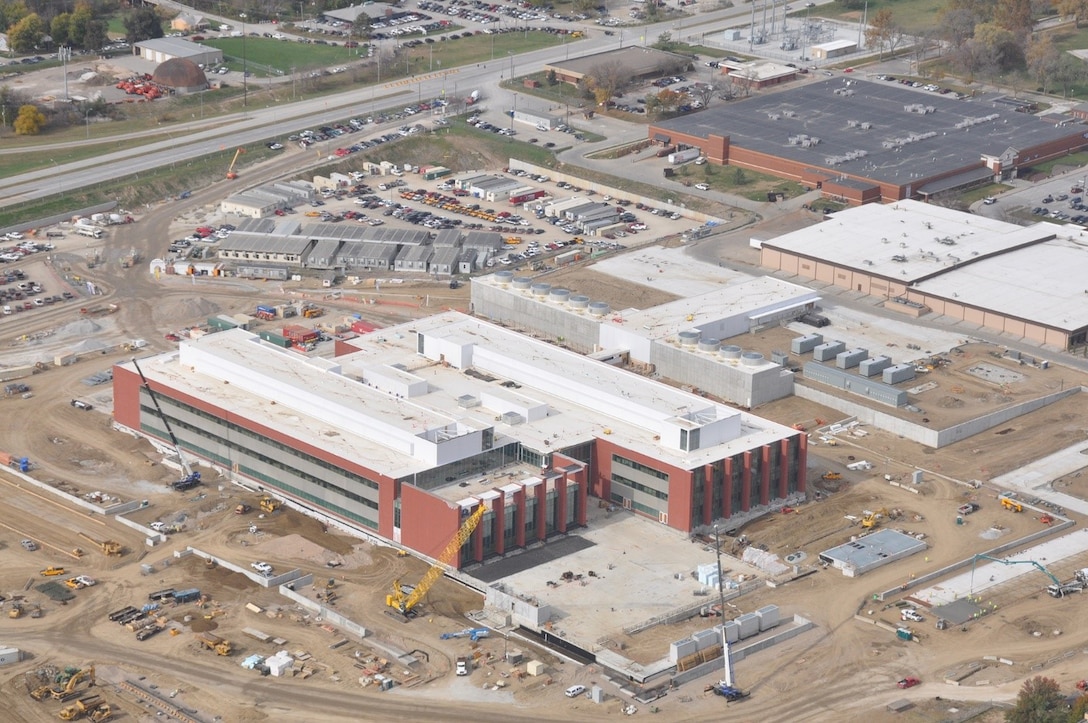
[(274, 338), (362, 327), (434, 172), (222, 323), (267, 313), (300, 334), (184, 596)]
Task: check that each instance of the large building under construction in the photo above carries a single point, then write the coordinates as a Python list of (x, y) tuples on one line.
[(407, 428)]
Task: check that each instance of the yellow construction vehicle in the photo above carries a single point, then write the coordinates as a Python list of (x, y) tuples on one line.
[(831, 475), (1011, 505), (52, 571), (871, 518), (214, 642), (15, 611), (268, 504), (81, 707), (101, 714), (404, 602), (69, 689), (107, 547)]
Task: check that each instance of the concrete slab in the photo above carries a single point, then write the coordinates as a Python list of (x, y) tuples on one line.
[(641, 570), (1033, 479), (670, 270)]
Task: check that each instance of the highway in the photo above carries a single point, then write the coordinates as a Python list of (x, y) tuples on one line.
[(255, 125)]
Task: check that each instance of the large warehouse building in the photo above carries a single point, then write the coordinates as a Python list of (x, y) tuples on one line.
[(1026, 281), (863, 141), (414, 425)]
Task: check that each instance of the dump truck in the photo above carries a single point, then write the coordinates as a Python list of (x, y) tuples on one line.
[(82, 706), (214, 642)]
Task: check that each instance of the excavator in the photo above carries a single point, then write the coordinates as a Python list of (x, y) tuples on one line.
[(69, 689), (872, 518), (192, 477), (404, 602)]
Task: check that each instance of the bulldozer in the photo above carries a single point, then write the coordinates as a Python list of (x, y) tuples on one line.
[(268, 504), (15, 611), (101, 714), (107, 547)]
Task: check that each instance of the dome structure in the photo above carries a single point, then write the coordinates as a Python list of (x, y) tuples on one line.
[(180, 74)]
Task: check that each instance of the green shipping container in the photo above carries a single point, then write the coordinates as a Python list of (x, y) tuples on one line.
[(221, 324), (275, 339)]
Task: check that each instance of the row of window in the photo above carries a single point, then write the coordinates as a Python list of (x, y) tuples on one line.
[(616, 459), (257, 456), (621, 480), (317, 501)]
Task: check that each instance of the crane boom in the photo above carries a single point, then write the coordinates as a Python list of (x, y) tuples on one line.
[(1041, 569), (191, 478), (405, 602), (231, 175)]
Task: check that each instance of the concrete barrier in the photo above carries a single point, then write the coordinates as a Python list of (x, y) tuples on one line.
[(347, 625), (740, 652)]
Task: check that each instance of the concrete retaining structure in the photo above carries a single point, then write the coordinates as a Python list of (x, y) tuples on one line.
[(935, 438), (348, 626), (740, 652)]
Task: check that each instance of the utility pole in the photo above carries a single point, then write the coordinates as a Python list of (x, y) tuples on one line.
[(245, 73)]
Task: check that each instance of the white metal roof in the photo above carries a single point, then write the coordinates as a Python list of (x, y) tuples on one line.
[(908, 241), (323, 402), (1047, 283)]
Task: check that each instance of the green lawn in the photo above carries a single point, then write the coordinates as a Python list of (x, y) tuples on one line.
[(914, 16)]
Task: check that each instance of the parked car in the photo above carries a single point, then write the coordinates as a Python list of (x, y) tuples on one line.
[(29, 545), (908, 682), (574, 691), (912, 615), (262, 567)]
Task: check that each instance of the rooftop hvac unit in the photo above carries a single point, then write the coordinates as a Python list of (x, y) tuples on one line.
[(468, 401), (512, 418)]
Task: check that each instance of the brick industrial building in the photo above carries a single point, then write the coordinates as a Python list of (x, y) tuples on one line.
[(409, 427), (864, 141)]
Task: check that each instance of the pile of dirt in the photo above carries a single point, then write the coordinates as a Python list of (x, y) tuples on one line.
[(79, 329), (949, 402), (185, 310)]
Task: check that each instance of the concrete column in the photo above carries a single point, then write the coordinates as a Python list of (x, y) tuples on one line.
[(802, 464)]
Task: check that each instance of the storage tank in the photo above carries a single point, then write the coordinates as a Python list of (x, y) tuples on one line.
[(599, 308), (503, 278), (522, 283), (709, 344), (578, 301), (730, 352), (541, 289), (559, 296), (851, 358), (688, 338), (824, 352)]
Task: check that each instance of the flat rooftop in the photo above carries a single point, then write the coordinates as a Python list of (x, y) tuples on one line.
[(395, 407), (671, 270), (899, 147), (869, 551), (1044, 283), (745, 296), (909, 241)]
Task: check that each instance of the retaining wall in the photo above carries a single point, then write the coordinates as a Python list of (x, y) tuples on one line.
[(348, 626), (738, 653)]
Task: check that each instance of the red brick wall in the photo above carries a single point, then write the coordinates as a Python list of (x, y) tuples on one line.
[(428, 523)]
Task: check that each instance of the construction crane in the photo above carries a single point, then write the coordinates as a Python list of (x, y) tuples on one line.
[(191, 478), (1041, 569), (231, 175), (1012, 505), (404, 602)]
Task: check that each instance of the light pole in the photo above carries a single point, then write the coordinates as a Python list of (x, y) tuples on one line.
[(514, 112), (245, 72)]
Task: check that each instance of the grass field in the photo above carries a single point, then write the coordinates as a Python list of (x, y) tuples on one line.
[(914, 16)]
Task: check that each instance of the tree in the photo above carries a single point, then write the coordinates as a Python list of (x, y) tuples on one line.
[(669, 100), (95, 37), (24, 36), (551, 77), (143, 24), (30, 121), (58, 29), (1076, 9), (605, 78), (1014, 16), (1042, 60), (883, 32), (12, 12), (79, 19), (995, 49), (1069, 72), (740, 178), (1039, 701), (957, 26)]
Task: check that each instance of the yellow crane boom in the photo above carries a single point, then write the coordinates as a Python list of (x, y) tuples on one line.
[(405, 602), (231, 175)]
